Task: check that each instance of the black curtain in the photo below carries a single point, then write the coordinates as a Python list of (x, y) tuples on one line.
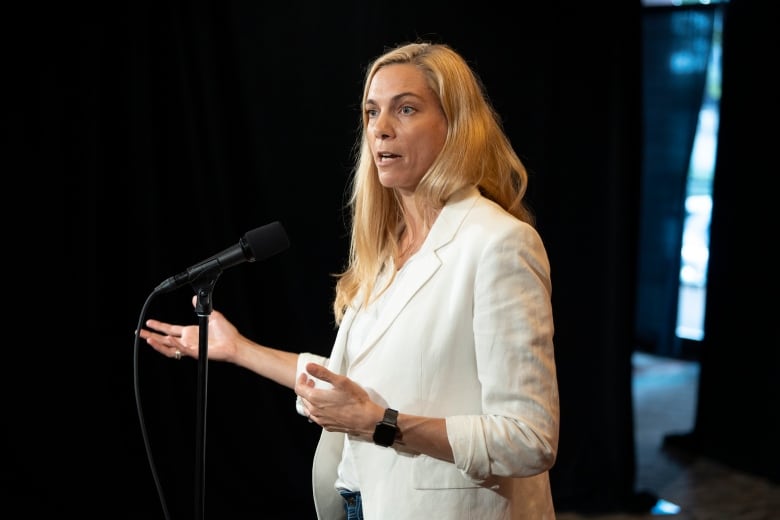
[(737, 418), (155, 134)]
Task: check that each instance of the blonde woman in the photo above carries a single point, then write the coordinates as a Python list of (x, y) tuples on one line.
[(439, 398)]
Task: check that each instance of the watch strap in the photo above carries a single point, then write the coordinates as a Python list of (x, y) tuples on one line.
[(391, 417)]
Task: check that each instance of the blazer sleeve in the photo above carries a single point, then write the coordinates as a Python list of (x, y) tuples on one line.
[(516, 434)]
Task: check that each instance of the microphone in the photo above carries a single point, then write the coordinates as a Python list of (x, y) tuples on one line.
[(257, 244)]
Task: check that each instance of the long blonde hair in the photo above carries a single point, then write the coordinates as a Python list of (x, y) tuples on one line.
[(476, 152)]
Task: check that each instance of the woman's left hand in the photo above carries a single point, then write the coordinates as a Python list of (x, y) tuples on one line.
[(341, 406)]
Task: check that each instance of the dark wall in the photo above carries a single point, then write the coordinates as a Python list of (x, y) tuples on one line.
[(158, 133)]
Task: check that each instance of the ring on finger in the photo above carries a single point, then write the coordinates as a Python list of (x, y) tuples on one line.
[(177, 354)]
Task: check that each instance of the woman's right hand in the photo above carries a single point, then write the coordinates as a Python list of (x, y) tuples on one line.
[(168, 338)]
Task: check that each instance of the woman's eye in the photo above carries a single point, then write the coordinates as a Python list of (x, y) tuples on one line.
[(407, 110), (370, 112)]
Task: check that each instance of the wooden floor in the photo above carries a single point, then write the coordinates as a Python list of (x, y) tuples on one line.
[(691, 488)]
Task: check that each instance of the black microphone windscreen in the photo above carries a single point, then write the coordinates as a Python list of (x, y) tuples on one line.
[(267, 240)]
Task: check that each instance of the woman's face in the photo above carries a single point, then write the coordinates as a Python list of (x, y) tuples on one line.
[(406, 125)]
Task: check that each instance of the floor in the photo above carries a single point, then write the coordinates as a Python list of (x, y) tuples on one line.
[(688, 488)]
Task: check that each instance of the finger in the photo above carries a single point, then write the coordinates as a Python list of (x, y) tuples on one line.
[(165, 347), (324, 377), (173, 348), (319, 371), (306, 408), (303, 386), (165, 328)]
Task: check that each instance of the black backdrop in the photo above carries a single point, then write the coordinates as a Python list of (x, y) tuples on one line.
[(159, 133)]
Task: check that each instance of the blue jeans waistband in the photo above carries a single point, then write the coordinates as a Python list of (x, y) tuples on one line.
[(353, 504)]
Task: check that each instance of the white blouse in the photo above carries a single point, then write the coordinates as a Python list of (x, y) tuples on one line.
[(365, 318)]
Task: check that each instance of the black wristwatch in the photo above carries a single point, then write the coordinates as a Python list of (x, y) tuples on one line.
[(386, 429)]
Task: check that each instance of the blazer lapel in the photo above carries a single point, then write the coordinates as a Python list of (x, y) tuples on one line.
[(336, 359), (425, 264)]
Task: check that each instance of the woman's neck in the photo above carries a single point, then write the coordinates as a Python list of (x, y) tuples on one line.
[(412, 235)]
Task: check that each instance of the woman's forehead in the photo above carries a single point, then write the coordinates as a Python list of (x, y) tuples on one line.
[(393, 80)]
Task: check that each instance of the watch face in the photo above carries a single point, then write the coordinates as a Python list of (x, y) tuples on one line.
[(384, 434), (386, 429)]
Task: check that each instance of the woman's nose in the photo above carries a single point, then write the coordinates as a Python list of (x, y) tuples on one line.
[(382, 127)]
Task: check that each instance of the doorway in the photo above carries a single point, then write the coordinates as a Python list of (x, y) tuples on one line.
[(680, 104)]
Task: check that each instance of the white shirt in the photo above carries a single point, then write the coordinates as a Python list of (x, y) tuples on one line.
[(365, 319)]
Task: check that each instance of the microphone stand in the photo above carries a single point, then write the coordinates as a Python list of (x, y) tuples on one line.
[(204, 286)]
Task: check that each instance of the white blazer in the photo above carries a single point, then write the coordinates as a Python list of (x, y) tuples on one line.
[(468, 336)]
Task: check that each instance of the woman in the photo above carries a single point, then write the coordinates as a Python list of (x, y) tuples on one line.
[(440, 393)]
